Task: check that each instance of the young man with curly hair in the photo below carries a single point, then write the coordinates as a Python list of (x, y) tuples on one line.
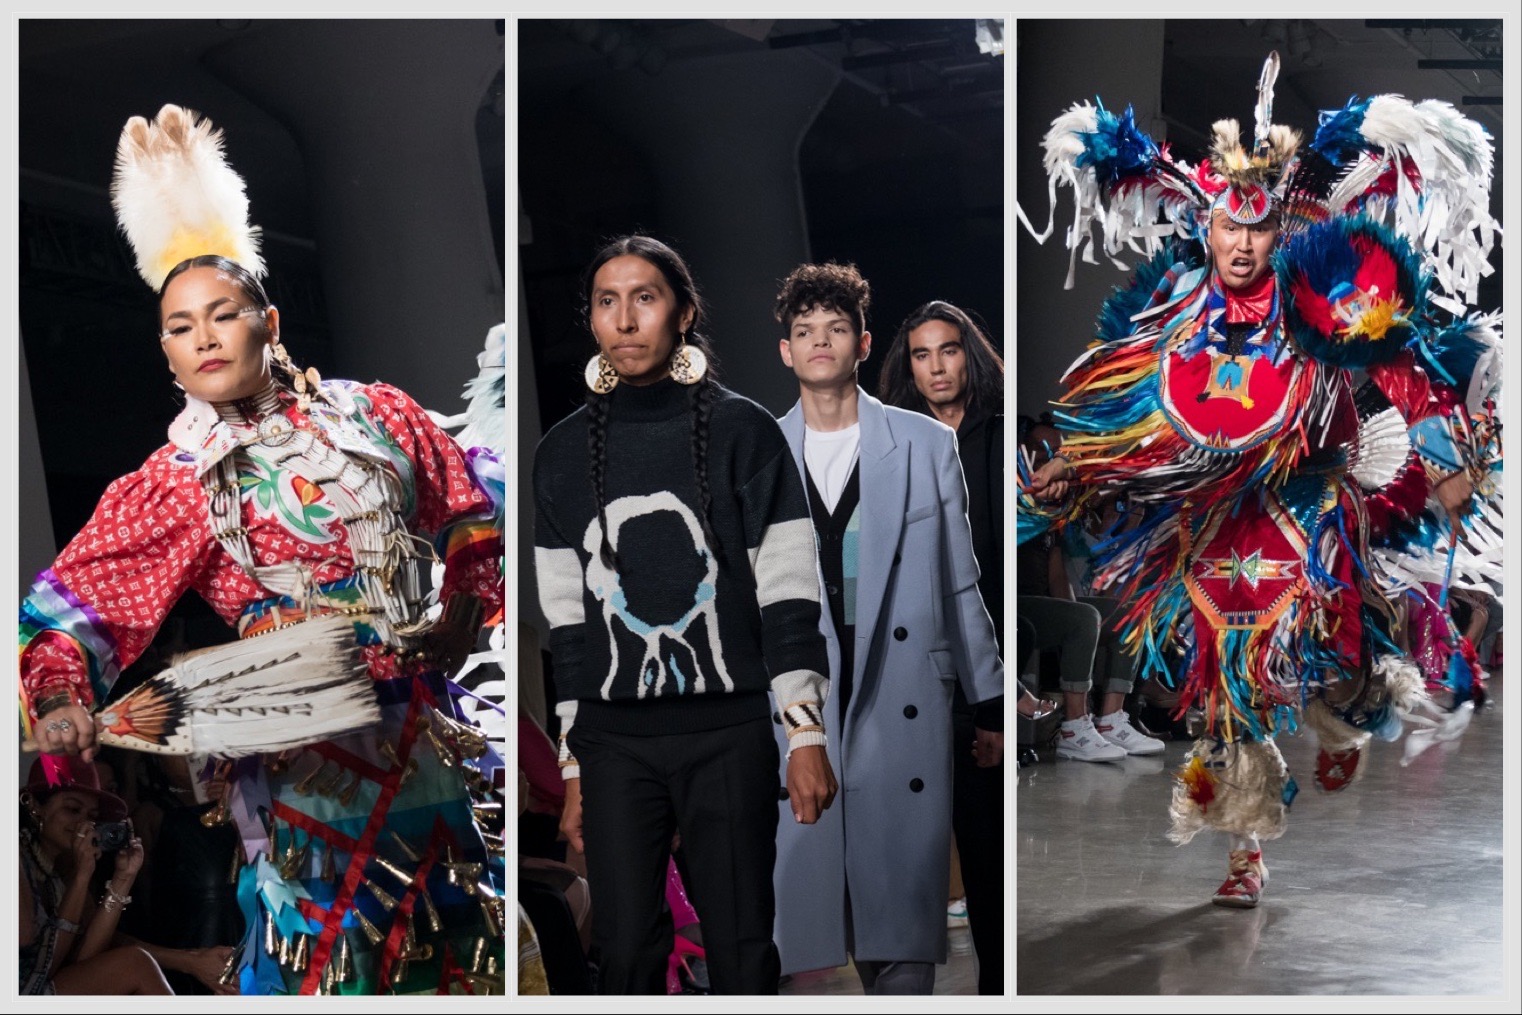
[(905, 622)]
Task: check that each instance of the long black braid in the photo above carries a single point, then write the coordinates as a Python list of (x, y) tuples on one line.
[(597, 454), (700, 397)]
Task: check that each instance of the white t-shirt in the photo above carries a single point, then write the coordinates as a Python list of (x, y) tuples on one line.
[(830, 456)]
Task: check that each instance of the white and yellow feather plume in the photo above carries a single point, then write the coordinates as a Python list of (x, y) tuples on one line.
[(176, 197)]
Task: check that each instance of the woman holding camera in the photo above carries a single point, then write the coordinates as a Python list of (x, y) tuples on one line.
[(69, 943)]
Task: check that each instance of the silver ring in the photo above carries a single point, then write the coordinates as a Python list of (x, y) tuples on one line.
[(59, 725)]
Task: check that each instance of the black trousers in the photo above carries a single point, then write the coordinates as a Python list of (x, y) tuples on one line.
[(977, 818), (719, 789)]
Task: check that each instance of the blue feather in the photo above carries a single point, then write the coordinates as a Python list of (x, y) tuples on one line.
[(1116, 148), (1339, 133)]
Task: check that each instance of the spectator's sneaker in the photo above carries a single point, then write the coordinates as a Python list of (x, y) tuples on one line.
[(1080, 741), (956, 913), (1117, 729), (1243, 886)]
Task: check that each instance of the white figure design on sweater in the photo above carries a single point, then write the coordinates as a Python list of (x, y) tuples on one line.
[(658, 671)]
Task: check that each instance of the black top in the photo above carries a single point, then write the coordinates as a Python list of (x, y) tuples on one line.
[(683, 635), (831, 528), (980, 446)]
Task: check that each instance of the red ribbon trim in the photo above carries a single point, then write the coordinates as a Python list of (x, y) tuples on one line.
[(364, 848)]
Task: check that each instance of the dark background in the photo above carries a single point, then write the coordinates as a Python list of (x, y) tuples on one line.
[(751, 147)]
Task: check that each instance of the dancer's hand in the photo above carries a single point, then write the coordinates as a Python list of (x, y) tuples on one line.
[(69, 729), (1453, 492), (988, 748), (810, 783), (570, 816), (1050, 482)]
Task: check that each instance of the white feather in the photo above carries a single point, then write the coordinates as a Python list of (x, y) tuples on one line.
[(171, 181), (296, 686)]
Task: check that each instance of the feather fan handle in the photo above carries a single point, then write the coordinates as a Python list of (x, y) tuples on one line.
[(176, 197), (294, 687)]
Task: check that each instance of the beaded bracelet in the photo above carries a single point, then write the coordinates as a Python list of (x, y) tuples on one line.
[(113, 901)]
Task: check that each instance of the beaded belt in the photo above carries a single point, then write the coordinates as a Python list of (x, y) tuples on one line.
[(340, 597)]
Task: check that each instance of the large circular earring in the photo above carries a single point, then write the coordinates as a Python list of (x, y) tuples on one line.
[(600, 375), (688, 364)]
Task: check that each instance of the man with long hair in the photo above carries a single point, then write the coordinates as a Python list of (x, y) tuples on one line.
[(942, 364)]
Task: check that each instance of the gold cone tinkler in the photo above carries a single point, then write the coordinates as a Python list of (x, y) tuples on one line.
[(371, 931)]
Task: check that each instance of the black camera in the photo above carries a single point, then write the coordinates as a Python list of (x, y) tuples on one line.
[(113, 835)]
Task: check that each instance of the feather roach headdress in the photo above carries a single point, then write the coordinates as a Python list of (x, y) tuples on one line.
[(176, 197), (1422, 170)]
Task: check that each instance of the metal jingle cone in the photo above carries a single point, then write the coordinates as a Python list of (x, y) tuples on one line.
[(447, 757), (345, 967), (325, 985), (388, 751), (486, 811), (304, 786), (295, 859), (430, 911), (271, 939), (478, 955), (302, 953), (489, 911), (408, 772), (351, 791), (398, 973), (385, 898), (371, 931), (408, 850), (329, 864), (285, 951), (236, 867), (229, 974), (395, 870), (329, 787), (218, 815)]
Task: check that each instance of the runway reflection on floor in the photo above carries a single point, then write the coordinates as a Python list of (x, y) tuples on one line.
[(1392, 886)]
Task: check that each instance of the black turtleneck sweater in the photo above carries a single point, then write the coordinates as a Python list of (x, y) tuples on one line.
[(682, 636)]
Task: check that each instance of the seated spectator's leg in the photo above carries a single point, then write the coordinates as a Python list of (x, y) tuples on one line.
[(119, 971), (1074, 628)]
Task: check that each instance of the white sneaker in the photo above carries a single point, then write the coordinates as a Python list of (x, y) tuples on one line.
[(1117, 729), (1080, 741)]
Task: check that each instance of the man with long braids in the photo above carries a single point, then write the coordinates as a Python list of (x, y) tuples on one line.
[(1265, 495), (676, 568), (904, 623)]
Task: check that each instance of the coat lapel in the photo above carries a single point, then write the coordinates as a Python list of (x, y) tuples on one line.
[(884, 493)]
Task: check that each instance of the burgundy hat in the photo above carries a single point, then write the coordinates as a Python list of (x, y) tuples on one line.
[(68, 772)]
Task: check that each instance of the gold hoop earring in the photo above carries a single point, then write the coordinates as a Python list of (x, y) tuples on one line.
[(600, 375), (688, 364)]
